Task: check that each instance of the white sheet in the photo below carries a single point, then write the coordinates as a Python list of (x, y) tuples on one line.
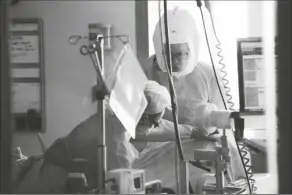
[(158, 160)]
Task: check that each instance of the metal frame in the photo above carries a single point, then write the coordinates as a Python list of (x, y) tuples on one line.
[(6, 120), (284, 81), (142, 41)]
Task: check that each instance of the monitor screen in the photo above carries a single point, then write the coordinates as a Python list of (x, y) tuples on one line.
[(139, 182), (251, 76)]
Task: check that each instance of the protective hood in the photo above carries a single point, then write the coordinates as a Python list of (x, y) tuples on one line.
[(182, 28), (158, 98)]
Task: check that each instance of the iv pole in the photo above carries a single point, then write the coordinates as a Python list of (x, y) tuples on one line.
[(96, 52), (100, 95)]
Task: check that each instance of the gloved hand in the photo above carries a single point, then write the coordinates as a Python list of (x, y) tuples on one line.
[(21, 164), (198, 135), (17, 155)]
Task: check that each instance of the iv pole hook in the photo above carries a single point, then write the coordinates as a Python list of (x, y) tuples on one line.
[(74, 39)]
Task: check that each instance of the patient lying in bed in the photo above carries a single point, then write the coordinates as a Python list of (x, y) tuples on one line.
[(48, 173), (35, 175), (159, 160)]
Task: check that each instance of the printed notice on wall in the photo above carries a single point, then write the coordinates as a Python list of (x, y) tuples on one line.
[(25, 73), (25, 96), (253, 80), (23, 27), (24, 49)]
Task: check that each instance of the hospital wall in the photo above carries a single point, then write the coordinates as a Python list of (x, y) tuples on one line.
[(69, 75)]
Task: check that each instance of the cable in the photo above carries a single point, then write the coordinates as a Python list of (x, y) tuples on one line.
[(167, 59), (222, 69), (210, 53), (171, 86), (242, 151), (241, 146), (168, 72)]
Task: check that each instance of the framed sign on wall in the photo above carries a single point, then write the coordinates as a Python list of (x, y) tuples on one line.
[(27, 69)]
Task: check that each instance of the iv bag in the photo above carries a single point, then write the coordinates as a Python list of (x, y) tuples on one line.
[(127, 82)]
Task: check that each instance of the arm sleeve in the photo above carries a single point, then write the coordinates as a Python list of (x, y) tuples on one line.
[(165, 132)]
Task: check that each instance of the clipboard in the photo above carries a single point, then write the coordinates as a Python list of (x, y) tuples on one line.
[(28, 76)]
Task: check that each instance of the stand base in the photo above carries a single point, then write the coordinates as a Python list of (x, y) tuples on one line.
[(207, 185)]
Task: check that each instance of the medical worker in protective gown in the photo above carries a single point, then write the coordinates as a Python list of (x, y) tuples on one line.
[(48, 173), (197, 96)]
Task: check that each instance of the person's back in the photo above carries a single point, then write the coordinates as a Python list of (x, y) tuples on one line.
[(82, 142), (49, 175)]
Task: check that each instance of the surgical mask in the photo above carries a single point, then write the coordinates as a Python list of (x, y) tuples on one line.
[(183, 31), (179, 56), (144, 129), (148, 122)]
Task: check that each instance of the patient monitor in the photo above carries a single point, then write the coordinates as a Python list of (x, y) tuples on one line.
[(127, 181), (250, 75)]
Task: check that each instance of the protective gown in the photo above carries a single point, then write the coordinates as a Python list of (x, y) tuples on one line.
[(197, 93), (48, 175)]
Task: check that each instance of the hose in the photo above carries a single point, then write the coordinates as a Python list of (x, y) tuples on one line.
[(241, 147), (224, 72), (199, 4), (171, 86), (244, 153), (167, 60)]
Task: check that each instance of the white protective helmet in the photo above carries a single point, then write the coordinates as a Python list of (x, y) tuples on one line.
[(182, 28)]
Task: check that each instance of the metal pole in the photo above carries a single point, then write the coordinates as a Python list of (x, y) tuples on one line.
[(101, 151), (184, 177), (219, 175)]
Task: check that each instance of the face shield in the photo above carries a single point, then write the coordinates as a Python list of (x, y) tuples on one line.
[(184, 41)]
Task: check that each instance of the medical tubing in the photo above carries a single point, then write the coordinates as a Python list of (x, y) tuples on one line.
[(168, 72), (222, 69), (172, 90), (241, 146), (210, 53), (171, 86), (242, 151)]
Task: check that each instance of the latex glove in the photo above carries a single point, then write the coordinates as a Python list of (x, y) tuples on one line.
[(21, 166), (17, 155), (18, 169), (198, 135)]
